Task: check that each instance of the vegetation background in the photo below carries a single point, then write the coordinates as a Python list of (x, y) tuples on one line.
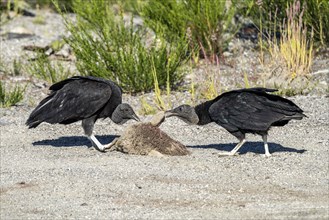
[(49, 173), (160, 46)]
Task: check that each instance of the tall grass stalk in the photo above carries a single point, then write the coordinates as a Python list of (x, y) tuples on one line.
[(168, 87), (295, 47), (316, 16), (158, 98), (211, 80), (246, 80)]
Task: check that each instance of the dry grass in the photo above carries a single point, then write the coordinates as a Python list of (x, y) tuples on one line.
[(159, 100), (293, 50)]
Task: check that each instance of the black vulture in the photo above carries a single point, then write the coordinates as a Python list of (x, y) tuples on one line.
[(242, 111), (82, 98)]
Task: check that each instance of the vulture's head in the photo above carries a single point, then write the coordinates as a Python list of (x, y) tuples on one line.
[(123, 113), (184, 112)]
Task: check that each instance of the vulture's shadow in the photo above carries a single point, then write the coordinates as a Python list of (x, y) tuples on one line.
[(74, 141), (254, 147)]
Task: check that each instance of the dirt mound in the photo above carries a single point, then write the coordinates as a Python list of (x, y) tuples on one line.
[(149, 139)]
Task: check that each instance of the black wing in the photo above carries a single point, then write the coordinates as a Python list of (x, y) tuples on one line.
[(59, 85), (252, 109), (71, 100)]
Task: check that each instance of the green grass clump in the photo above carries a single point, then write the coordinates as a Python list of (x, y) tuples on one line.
[(10, 98), (201, 22), (39, 20), (107, 46), (43, 69)]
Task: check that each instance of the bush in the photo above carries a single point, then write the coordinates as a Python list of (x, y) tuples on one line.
[(202, 22), (106, 46)]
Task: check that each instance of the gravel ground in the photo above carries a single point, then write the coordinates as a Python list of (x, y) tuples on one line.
[(49, 173)]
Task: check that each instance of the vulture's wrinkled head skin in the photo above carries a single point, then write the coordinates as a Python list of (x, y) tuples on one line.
[(123, 113), (184, 112)]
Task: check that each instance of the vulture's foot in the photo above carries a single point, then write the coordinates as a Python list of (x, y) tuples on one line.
[(267, 155), (99, 148), (223, 154), (111, 146)]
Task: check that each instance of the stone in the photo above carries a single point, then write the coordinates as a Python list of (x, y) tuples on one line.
[(19, 32), (158, 119), (65, 51)]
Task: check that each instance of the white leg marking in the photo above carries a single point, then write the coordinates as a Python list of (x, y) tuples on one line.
[(96, 143), (267, 152), (235, 149)]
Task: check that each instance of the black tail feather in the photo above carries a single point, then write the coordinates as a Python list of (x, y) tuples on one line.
[(40, 113)]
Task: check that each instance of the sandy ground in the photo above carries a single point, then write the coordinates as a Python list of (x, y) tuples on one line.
[(49, 173)]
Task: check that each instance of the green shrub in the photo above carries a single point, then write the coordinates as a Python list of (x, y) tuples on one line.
[(63, 4), (10, 98), (202, 22), (106, 46)]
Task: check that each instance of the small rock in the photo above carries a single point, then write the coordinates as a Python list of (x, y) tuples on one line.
[(19, 32), (227, 54), (65, 51), (158, 119), (49, 51), (3, 122)]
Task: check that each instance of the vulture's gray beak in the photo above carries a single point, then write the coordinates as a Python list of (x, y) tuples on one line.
[(185, 113), (170, 113), (135, 117)]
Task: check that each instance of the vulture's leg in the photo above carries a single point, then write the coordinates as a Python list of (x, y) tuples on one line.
[(267, 152), (235, 149), (88, 126), (97, 145), (242, 138)]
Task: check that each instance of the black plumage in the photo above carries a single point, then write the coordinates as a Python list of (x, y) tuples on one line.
[(242, 111), (82, 98)]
